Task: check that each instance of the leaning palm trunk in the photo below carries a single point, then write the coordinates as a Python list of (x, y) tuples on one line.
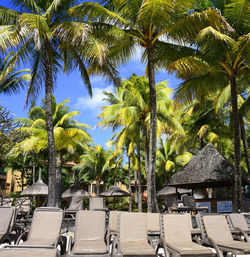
[(237, 154), (50, 129), (146, 149), (58, 180), (151, 190), (139, 175), (245, 146)]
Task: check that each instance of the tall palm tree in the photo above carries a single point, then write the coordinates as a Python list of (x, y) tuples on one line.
[(43, 32), (231, 66), (150, 25), (11, 81), (130, 110), (67, 132)]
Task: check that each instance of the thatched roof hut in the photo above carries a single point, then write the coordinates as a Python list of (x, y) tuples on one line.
[(208, 168)]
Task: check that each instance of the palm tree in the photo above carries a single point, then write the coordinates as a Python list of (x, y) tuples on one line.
[(94, 163), (43, 32), (67, 132), (170, 157), (231, 66), (130, 110), (11, 81), (147, 24)]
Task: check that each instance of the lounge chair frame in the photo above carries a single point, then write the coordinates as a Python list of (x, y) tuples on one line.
[(106, 240), (54, 246), (116, 249), (220, 250), (167, 250), (6, 237)]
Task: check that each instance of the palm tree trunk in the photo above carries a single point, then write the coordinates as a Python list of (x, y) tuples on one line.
[(58, 180), (129, 183), (237, 154), (139, 175), (245, 146), (136, 187), (50, 129), (146, 149), (151, 187)]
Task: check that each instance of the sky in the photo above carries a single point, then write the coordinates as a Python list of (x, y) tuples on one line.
[(72, 88)]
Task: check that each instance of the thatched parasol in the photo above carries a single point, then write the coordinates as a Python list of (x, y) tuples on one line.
[(37, 189), (208, 168), (115, 191), (172, 191), (75, 191)]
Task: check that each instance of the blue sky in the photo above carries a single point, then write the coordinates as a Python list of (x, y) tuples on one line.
[(71, 87)]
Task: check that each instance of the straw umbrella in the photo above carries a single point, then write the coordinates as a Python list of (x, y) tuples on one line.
[(36, 189), (114, 191)]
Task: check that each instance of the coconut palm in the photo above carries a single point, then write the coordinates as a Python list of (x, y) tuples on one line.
[(42, 31), (150, 25), (231, 66), (11, 81), (67, 132), (130, 110), (170, 157), (94, 164)]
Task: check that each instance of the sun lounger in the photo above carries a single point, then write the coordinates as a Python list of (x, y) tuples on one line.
[(216, 232), (132, 239), (7, 218), (90, 235), (176, 237), (7, 202), (44, 235), (96, 203), (239, 226)]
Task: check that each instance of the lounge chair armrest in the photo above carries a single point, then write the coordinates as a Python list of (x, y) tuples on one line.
[(29, 246), (215, 246), (245, 235), (25, 231)]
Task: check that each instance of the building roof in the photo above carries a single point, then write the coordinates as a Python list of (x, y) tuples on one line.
[(208, 168)]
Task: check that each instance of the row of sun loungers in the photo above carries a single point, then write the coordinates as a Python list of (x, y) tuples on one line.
[(127, 234)]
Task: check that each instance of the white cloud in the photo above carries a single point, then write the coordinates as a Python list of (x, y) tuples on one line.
[(93, 104)]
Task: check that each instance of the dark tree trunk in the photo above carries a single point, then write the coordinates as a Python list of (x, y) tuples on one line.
[(151, 188), (22, 178), (129, 183), (136, 187), (97, 187), (50, 128), (146, 149), (34, 171), (58, 180), (237, 154), (245, 146), (139, 175)]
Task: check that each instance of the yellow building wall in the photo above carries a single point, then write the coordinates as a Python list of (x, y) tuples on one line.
[(13, 181)]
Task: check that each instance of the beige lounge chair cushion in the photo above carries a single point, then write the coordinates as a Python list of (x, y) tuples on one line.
[(28, 253), (90, 232), (89, 247), (6, 214), (217, 228), (241, 246), (238, 220), (177, 228), (177, 235), (133, 227), (137, 248), (190, 249), (45, 228), (153, 222), (96, 203)]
